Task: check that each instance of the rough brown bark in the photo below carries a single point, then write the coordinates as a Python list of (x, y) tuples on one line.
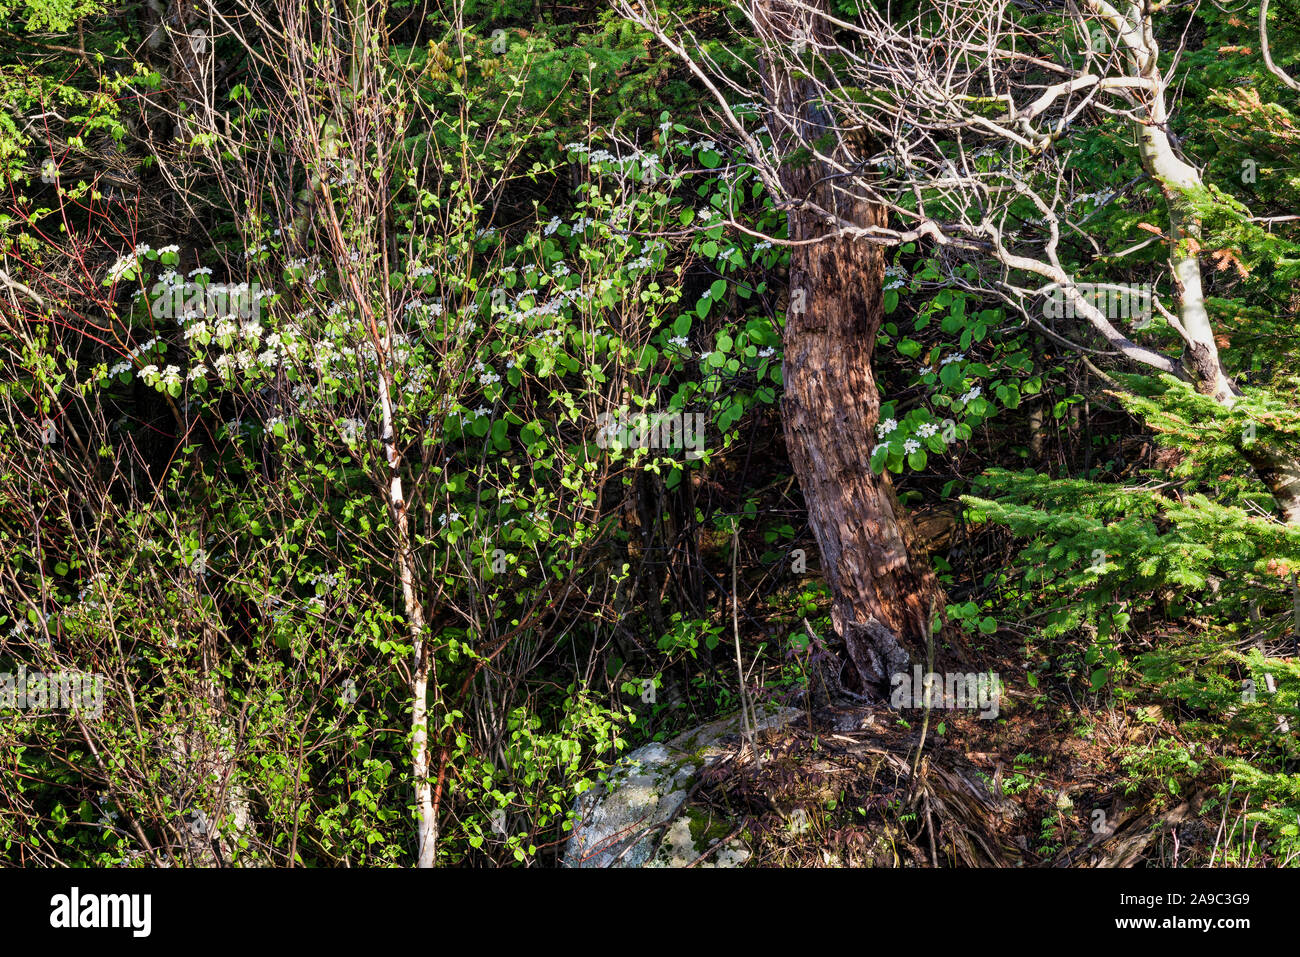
[(881, 582), (831, 408)]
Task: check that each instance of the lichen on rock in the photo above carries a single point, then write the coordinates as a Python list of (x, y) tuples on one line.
[(639, 816)]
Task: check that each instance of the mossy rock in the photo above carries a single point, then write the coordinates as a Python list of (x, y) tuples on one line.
[(639, 818)]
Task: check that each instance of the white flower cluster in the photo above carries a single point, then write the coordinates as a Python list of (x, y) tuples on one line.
[(551, 307), (169, 376), (328, 580), (1098, 197), (417, 378), (128, 261)]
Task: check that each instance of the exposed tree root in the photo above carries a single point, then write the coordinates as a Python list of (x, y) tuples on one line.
[(853, 798), (1124, 842)]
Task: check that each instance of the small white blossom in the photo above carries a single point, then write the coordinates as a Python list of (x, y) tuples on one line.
[(120, 267)]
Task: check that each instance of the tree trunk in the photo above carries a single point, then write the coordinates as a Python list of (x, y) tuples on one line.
[(882, 586), (1180, 183)]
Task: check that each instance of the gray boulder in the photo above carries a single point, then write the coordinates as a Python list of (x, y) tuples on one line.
[(641, 817)]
